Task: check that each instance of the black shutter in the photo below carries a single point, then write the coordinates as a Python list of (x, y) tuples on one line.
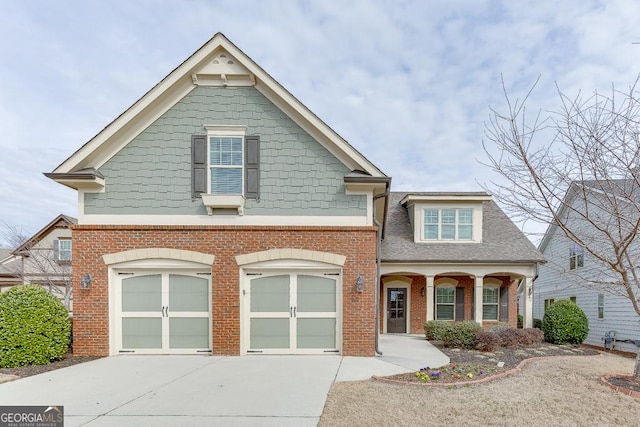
[(459, 303), (198, 165), (252, 167), (504, 304)]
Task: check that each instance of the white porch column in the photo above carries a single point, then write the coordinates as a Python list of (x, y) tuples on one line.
[(527, 296), (430, 308), (478, 299)]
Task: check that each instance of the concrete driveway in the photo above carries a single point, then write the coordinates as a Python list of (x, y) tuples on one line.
[(209, 390)]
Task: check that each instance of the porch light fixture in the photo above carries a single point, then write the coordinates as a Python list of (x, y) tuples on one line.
[(85, 283), (359, 284), (422, 291)]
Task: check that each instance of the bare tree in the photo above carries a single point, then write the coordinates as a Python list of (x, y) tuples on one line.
[(577, 169), (38, 264)]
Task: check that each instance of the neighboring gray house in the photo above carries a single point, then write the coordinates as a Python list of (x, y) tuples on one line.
[(43, 259), (452, 256), (574, 274)]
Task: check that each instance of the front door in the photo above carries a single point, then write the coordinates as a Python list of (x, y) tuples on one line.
[(396, 311), (292, 314), (163, 313)]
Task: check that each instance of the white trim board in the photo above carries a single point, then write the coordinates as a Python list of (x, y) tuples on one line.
[(259, 220)]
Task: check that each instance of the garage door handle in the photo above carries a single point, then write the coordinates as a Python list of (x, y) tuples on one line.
[(294, 311), (290, 311)]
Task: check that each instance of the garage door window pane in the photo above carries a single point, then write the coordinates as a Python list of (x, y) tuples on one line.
[(316, 294), (142, 293), (188, 293), (316, 333), (188, 332), (142, 332), (269, 333), (270, 294)]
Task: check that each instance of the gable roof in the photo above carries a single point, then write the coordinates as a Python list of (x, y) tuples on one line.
[(502, 241), (623, 189), (217, 62), (61, 220)]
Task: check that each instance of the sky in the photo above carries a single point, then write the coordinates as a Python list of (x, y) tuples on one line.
[(407, 83)]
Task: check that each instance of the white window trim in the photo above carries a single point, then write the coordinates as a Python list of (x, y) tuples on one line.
[(60, 250), (598, 306), (224, 201), (575, 252), (497, 304), (436, 304), (476, 233)]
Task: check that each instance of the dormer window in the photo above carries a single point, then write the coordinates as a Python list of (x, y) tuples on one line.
[(448, 224), (446, 217)]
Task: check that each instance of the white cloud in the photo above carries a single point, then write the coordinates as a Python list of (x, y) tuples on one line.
[(407, 83)]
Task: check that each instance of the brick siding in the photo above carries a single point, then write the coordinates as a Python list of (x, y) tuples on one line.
[(418, 303), (90, 242)]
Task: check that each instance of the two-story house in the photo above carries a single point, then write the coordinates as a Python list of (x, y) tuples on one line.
[(43, 259), (572, 273), (218, 214)]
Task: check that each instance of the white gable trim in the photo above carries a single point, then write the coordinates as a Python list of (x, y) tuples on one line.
[(179, 83)]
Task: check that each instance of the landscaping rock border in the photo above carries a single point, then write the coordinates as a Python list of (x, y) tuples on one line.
[(619, 389), (481, 380)]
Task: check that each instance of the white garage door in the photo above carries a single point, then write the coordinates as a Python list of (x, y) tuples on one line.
[(292, 313), (163, 313)]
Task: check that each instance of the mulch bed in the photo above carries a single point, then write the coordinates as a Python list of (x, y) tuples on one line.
[(27, 371), (625, 382), (471, 365)]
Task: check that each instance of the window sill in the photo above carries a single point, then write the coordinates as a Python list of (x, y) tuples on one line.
[(223, 201)]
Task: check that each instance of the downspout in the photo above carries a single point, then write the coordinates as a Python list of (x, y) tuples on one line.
[(378, 259)]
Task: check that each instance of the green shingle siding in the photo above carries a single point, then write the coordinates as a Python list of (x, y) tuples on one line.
[(152, 174)]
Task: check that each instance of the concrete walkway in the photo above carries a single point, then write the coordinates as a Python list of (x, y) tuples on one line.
[(215, 390), (400, 353)]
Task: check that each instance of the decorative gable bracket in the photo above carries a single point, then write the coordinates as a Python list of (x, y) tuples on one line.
[(223, 201), (223, 70)]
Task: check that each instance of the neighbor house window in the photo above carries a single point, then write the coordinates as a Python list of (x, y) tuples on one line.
[(445, 302), (226, 165), (62, 250), (448, 224), (547, 303), (600, 306), (576, 256), (490, 300)]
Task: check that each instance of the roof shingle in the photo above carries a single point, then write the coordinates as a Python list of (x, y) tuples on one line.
[(502, 241)]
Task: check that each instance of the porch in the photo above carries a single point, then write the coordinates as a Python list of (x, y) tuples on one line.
[(412, 295)]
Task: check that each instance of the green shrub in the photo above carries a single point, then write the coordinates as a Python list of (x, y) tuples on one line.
[(520, 321), (461, 334), (564, 322), (488, 341), (498, 327), (537, 323), (435, 329), (34, 327)]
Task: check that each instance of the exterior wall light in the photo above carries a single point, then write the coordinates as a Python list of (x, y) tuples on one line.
[(422, 291), (85, 283), (359, 284)]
